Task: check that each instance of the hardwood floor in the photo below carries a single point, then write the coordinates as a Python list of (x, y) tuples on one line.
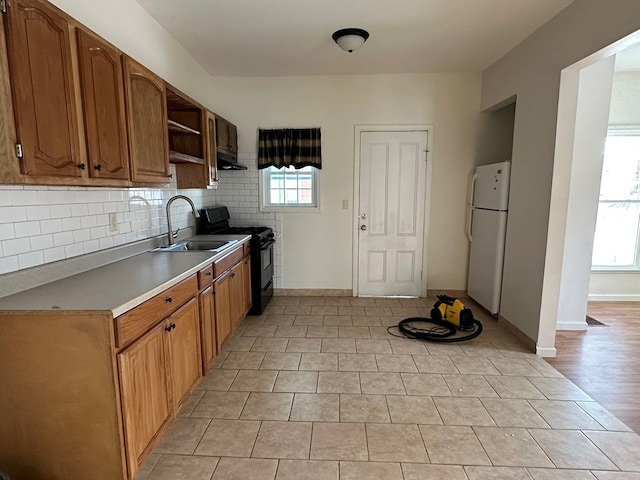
[(605, 361)]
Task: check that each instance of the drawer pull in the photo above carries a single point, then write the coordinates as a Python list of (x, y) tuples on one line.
[(168, 299)]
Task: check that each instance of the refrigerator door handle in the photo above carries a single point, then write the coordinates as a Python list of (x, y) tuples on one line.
[(472, 191)]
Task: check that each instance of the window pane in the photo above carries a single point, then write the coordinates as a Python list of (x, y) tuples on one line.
[(291, 181), (306, 197), (291, 196), (277, 196), (290, 187), (616, 234), (621, 168)]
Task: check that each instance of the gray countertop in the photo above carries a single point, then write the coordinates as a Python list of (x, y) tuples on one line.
[(119, 286)]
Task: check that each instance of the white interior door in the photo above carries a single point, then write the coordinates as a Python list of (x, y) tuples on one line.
[(391, 213)]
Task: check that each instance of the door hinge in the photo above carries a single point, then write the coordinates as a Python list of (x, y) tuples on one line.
[(3, 6), (19, 152)]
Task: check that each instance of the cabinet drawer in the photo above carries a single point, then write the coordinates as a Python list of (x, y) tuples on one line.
[(205, 277), (139, 320), (225, 263)]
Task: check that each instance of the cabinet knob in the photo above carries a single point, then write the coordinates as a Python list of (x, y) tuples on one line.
[(167, 329), (98, 167), (173, 325), (208, 274), (233, 275), (168, 299), (81, 166)]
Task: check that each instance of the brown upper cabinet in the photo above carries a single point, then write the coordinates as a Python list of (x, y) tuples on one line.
[(40, 59), (147, 124), (227, 137), (101, 84), (192, 143)]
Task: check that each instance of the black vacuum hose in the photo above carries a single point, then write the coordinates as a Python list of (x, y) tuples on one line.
[(442, 332)]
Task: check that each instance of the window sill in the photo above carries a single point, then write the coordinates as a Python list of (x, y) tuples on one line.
[(616, 270), (290, 209)]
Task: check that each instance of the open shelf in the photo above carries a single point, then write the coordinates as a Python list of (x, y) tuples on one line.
[(175, 127), (177, 157)]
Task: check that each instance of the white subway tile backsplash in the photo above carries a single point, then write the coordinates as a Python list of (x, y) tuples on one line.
[(81, 236), (9, 264), (7, 231), (15, 246), (39, 212), (88, 222), (22, 197), (73, 250), (62, 238), (27, 229), (53, 254), (79, 210), (60, 211), (41, 242), (54, 226), (95, 208), (50, 197), (30, 259), (13, 214), (71, 223)]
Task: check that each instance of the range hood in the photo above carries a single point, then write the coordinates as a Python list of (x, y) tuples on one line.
[(229, 162)]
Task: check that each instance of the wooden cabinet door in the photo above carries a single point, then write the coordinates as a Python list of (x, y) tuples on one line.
[(207, 327), (222, 134), (233, 138), (147, 124), (43, 93), (246, 280), (144, 390), (184, 347), (101, 85), (222, 308), (212, 162), (236, 294)]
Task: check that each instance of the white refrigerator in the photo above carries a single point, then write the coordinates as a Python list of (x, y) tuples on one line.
[(486, 229)]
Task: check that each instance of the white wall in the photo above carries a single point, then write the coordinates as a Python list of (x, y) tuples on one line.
[(317, 247), (625, 110), (532, 72)]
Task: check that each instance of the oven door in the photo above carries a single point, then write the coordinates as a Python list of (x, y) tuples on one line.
[(266, 263)]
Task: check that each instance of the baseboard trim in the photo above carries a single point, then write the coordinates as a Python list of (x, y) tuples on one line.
[(548, 352), (433, 293), (571, 326), (614, 298), (312, 292)]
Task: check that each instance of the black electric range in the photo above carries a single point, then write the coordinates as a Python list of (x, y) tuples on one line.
[(215, 220)]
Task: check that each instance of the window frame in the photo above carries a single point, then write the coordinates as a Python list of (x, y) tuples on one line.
[(265, 190), (626, 130)]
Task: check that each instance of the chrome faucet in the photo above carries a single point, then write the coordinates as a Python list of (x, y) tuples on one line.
[(171, 235)]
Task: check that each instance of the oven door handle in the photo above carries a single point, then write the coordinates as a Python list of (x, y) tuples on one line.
[(267, 245)]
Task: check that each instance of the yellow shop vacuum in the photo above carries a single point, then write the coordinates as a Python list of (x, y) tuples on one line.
[(449, 316)]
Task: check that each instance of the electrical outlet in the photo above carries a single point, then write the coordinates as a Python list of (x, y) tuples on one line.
[(113, 222), (345, 204)]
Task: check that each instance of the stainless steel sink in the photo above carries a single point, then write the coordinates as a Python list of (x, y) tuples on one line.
[(198, 245)]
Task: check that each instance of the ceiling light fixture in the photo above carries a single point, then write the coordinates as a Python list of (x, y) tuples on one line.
[(350, 39)]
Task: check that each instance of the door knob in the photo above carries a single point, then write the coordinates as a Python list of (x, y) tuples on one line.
[(363, 227), (363, 216)]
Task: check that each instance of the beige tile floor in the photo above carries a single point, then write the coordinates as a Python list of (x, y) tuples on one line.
[(316, 389)]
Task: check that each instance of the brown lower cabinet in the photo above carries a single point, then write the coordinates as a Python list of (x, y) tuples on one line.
[(88, 396)]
